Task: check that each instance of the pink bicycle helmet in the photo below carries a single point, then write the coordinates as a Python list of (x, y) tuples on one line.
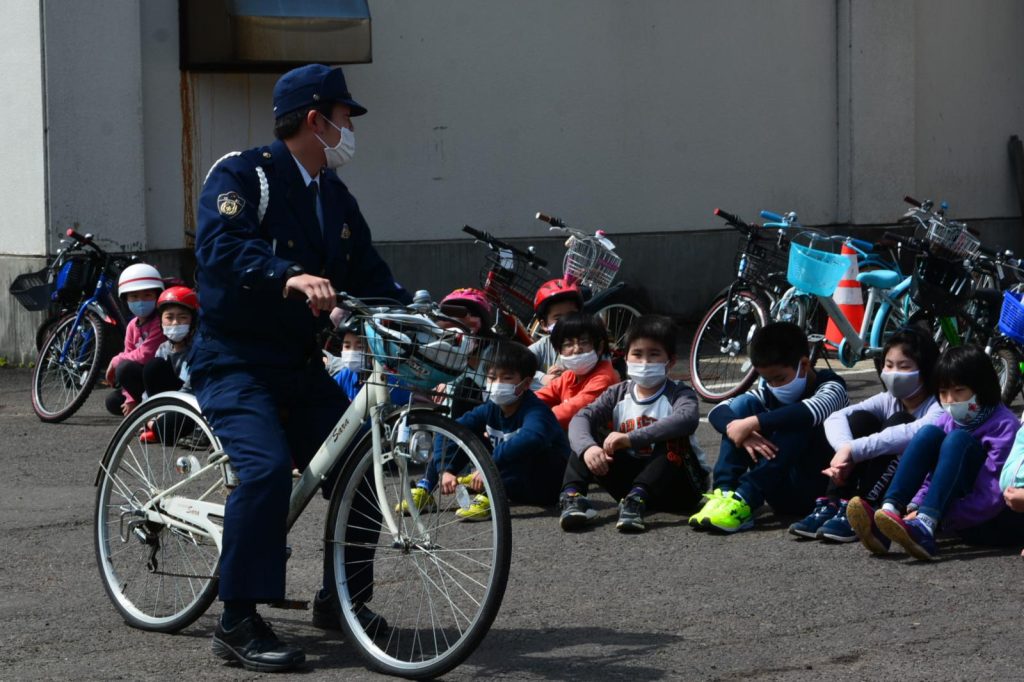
[(473, 299)]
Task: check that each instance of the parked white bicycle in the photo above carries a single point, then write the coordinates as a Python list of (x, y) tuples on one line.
[(437, 582)]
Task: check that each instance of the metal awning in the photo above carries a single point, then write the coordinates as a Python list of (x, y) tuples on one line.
[(272, 35)]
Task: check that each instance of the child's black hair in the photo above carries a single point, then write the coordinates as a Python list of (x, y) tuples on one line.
[(778, 343), (579, 326), (969, 366), (657, 328), (513, 357), (920, 347)]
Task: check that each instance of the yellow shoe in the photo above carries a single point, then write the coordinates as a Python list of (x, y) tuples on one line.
[(465, 480), (423, 500), (480, 510)]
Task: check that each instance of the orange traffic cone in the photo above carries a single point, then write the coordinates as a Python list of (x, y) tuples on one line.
[(849, 299)]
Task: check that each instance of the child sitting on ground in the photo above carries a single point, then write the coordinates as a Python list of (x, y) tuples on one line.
[(1008, 527), (554, 300), (651, 459), (869, 437), (582, 342), (527, 444), (178, 308), (139, 286), (953, 466), (773, 439)]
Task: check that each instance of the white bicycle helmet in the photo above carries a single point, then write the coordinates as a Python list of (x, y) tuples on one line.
[(139, 277), (416, 350)]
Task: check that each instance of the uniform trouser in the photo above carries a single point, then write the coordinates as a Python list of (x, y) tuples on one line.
[(268, 419), (870, 478), (791, 481), (952, 461), (675, 484)]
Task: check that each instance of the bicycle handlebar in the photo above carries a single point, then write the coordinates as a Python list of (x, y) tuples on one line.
[(550, 220), (774, 217), (496, 243), (912, 201)]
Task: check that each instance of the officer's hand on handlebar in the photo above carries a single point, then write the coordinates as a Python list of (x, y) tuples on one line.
[(320, 295)]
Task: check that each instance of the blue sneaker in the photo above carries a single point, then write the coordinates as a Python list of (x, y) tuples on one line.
[(824, 509), (838, 529), (861, 517), (913, 535)]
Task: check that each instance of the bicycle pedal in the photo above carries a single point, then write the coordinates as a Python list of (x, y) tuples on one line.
[(291, 604)]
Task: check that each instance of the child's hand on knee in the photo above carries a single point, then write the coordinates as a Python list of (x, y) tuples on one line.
[(616, 441), (448, 483), (596, 460), (1014, 498), (739, 430), (757, 445), (840, 466)]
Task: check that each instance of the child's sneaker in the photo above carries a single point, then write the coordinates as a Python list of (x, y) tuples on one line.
[(698, 518), (631, 514), (576, 511), (837, 529), (824, 510), (913, 534), (862, 520), (423, 500), (479, 510), (730, 514)]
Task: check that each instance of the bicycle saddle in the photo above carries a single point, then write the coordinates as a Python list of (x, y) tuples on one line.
[(880, 279)]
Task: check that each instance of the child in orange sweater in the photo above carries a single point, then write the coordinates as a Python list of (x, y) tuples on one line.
[(582, 342)]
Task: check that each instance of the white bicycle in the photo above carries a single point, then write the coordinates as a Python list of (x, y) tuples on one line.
[(436, 581)]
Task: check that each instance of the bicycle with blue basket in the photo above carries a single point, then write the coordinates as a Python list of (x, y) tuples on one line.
[(86, 324), (815, 271)]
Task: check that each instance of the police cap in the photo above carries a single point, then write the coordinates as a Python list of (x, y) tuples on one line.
[(312, 84)]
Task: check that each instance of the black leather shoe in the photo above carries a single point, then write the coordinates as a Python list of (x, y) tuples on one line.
[(327, 615), (253, 644)]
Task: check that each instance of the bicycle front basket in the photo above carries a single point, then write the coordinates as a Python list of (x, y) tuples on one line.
[(814, 271), (415, 350), (591, 262), (32, 290), (940, 286), (76, 275)]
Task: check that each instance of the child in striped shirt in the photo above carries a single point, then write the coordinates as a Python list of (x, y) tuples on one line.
[(773, 439)]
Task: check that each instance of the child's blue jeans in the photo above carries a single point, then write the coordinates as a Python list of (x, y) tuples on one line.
[(791, 481), (953, 460)]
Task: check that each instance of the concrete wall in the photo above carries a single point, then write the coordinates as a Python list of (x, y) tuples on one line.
[(637, 116)]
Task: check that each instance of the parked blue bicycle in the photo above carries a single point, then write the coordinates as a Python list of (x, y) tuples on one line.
[(79, 288)]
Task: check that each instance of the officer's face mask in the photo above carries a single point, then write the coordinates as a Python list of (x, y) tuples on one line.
[(341, 153)]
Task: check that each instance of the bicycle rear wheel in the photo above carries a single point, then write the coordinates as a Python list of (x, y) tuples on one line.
[(158, 576), (60, 387), (436, 589), (719, 365)]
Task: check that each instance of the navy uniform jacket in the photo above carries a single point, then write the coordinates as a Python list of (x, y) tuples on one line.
[(243, 317)]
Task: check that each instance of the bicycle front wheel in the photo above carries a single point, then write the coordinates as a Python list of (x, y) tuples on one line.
[(159, 576), (719, 365), (63, 380), (436, 585)]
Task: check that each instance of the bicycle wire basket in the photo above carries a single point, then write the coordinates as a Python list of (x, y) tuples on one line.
[(591, 263), (952, 238), (814, 270), (422, 357), (767, 260), (33, 290), (77, 274), (940, 286), (1011, 316), (510, 282)]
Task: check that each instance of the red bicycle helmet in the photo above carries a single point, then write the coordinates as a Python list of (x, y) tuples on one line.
[(182, 296), (473, 299), (556, 290)]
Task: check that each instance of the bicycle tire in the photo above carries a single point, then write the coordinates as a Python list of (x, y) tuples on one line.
[(718, 374), (76, 376), (127, 477), (478, 574), (1006, 361)]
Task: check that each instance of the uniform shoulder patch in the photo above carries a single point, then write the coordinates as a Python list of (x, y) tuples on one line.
[(230, 204)]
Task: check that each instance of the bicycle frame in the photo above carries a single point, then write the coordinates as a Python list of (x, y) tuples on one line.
[(92, 303), (370, 405)]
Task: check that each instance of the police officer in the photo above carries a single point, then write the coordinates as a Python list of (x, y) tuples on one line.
[(278, 234)]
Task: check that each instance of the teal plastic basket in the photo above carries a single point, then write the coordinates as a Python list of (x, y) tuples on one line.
[(816, 272)]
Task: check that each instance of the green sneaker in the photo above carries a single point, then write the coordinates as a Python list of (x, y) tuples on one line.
[(423, 500), (711, 499), (479, 510), (730, 514)]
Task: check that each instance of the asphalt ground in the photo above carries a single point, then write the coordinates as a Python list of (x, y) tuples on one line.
[(667, 604)]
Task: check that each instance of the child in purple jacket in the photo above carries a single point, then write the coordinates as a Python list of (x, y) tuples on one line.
[(949, 473)]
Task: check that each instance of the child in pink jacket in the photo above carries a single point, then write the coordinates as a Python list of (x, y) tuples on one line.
[(139, 285)]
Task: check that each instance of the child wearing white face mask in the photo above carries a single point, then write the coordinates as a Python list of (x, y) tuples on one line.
[(139, 286), (651, 459), (582, 343), (949, 472), (869, 437), (773, 439)]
